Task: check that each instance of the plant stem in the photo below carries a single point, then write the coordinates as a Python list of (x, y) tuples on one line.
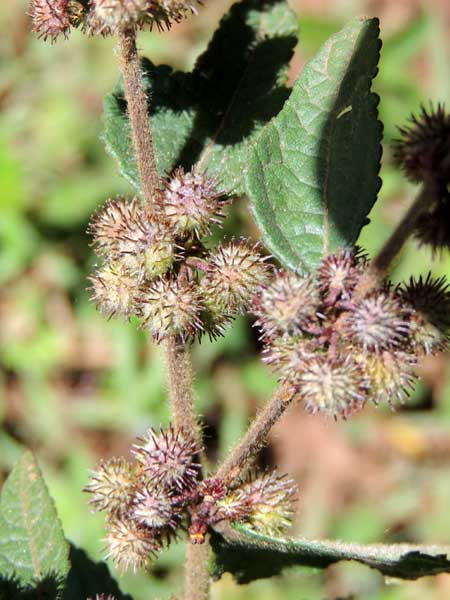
[(197, 575), (139, 119), (255, 437), (179, 370), (381, 263), (179, 381)]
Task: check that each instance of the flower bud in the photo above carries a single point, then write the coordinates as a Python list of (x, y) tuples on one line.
[(167, 459), (169, 307), (286, 305), (112, 486), (129, 544), (193, 202), (115, 289), (235, 273)]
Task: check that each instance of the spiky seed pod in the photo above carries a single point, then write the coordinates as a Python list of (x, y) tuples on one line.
[(129, 544), (193, 202), (338, 275), (429, 300), (391, 375), (122, 229), (424, 148), (270, 499), (113, 224), (215, 324), (290, 356), (171, 306), (337, 388), (109, 16), (115, 289), (50, 18), (433, 227), (235, 273), (167, 459), (113, 485), (378, 322), (102, 597), (153, 510), (287, 305), (234, 507)]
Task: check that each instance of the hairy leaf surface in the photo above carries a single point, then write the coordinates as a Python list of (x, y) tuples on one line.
[(209, 116), (313, 172), (248, 556)]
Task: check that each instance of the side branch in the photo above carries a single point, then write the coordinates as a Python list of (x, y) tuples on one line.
[(256, 435), (381, 263), (139, 119)]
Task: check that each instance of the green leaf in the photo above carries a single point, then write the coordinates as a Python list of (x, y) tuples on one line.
[(88, 578), (248, 556), (34, 554), (210, 115), (313, 173)]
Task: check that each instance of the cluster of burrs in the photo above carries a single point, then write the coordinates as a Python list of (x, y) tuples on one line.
[(54, 18), (150, 500), (340, 347), (424, 153), (157, 268)]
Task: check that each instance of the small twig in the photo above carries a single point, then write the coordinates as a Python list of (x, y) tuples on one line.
[(139, 119), (381, 263), (256, 435)]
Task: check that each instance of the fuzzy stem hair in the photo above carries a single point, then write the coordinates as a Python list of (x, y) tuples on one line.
[(137, 106)]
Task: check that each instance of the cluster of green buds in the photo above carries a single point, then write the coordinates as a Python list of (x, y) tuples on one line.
[(148, 501), (54, 18), (157, 268), (424, 153), (340, 348)]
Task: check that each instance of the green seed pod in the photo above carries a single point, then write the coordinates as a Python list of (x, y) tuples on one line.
[(268, 502), (113, 484), (171, 306), (235, 273), (130, 545), (115, 289)]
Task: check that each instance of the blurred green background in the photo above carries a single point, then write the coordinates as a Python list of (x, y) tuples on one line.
[(74, 387)]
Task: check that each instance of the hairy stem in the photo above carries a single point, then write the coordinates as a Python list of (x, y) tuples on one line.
[(197, 575), (256, 435), (179, 379), (381, 263), (138, 114)]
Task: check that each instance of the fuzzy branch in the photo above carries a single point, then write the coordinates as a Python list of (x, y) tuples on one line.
[(256, 435), (382, 262)]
